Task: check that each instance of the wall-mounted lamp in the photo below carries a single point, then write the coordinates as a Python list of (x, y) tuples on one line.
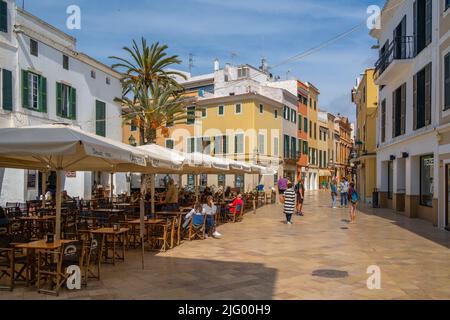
[(132, 140), (405, 155), (392, 158)]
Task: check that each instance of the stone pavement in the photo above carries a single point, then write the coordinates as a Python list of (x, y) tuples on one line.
[(321, 256)]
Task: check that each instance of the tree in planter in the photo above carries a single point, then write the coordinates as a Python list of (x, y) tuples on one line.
[(152, 98)]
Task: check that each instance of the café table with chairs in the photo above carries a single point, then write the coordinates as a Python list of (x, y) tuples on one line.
[(113, 238)]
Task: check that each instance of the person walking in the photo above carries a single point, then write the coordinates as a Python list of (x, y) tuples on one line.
[(334, 193), (289, 202), (353, 198), (300, 193), (344, 193), (282, 186)]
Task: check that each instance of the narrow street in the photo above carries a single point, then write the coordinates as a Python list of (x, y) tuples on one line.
[(319, 257)]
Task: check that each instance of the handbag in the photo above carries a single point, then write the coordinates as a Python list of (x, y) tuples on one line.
[(355, 197)]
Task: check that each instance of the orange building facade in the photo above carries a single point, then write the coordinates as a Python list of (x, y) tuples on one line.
[(303, 97)]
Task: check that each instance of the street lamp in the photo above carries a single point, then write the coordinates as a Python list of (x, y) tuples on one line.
[(132, 140)]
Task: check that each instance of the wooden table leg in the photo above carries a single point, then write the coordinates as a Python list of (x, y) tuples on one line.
[(114, 249)]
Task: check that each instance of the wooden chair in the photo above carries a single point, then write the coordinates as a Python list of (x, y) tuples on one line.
[(235, 216), (175, 230), (10, 259), (94, 258), (54, 269), (197, 230), (158, 236)]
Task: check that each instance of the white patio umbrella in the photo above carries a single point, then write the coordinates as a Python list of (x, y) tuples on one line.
[(62, 147)]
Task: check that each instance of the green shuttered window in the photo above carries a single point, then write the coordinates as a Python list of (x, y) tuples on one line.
[(66, 101), (100, 117), (34, 91), (7, 90), (3, 16)]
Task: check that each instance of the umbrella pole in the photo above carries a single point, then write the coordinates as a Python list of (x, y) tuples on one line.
[(58, 205), (152, 186), (43, 186), (142, 214), (196, 188), (112, 187)]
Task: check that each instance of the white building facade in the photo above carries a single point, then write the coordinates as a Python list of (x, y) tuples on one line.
[(45, 80), (408, 111)]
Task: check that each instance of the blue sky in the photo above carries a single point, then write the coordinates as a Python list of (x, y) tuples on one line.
[(209, 29)]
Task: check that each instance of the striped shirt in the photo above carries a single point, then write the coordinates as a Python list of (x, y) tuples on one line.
[(289, 201)]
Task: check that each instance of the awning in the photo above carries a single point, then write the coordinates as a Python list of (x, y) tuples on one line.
[(324, 173)]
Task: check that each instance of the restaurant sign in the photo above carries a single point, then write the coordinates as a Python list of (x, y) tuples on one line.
[(71, 174)]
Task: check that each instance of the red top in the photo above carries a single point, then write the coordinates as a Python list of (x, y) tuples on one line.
[(235, 203)]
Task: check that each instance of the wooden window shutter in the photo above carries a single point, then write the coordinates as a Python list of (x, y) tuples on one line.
[(428, 83), (7, 90), (73, 104), (447, 82), (394, 109), (59, 99), (3, 16), (403, 106), (415, 102), (25, 90), (100, 115), (428, 22), (42, 94), (416, 47)]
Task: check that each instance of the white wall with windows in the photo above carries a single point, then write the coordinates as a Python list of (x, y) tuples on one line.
[(54, 83)]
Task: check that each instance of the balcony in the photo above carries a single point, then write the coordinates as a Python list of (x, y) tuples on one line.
[(395, 60)]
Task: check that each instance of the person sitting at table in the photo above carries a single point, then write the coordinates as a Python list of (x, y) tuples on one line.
[(171, 200), (210, 210), (196, 214), (227, 192), (135, 197), (65, 196), (236, 202), (48, 196)]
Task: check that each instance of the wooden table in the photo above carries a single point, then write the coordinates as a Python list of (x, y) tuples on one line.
[(148, 224), (122, 205), (170, 214), (39, 245), (112, 211), (119, 237)]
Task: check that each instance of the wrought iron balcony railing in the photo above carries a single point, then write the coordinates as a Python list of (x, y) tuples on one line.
[(402, 48)]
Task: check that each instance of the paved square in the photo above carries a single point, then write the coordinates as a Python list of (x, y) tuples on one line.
[(319, 257)]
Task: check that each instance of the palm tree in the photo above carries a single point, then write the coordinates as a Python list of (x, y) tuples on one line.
[(156, 95), (147, 66), (163, 108)]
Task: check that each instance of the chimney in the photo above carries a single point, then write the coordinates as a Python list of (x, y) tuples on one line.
[(216, 65)]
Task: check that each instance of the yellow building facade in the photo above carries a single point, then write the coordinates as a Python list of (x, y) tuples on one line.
[(365, 97)]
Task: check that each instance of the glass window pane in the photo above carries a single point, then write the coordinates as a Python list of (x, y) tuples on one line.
[(426, 181)]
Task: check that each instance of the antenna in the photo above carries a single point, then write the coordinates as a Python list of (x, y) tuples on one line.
[(191, 62), (233, 55), (288, 73)]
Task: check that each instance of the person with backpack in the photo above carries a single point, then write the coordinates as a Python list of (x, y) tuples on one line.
[(353, 198), (334, 193), (300, 192)]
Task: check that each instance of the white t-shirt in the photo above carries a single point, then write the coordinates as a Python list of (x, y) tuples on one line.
[(210, 211)]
